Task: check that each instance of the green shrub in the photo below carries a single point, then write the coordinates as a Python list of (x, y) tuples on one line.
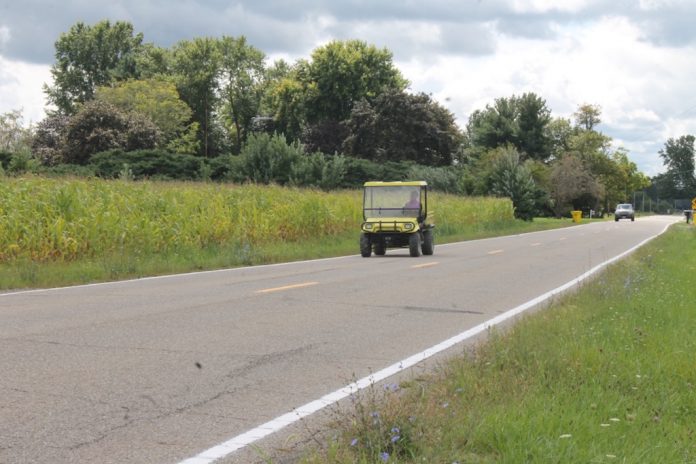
[(155, 164), (512, 179), (21, 162), (269, 159), (67, 170)]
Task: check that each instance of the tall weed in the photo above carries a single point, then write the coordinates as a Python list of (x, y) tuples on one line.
[(46, 219)]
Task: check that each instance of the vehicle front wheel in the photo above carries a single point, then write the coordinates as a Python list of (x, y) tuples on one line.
[(428, 242), (365, 246), (633, 219), (380, 248), (414, 245)]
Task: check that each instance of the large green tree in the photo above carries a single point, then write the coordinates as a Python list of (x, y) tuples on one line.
[(678, 156), (158, 100), (533, 119), (400, 126), (518, 121), (625, 178), (196, 68), (91, 56), (241, 80), (100, 126), (572, 186), (343, 72), (284, 100)]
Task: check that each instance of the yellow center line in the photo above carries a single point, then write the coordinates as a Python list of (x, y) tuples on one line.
[(535, 244), (495, 252), (420, 266), (563, 238), (286, 287)]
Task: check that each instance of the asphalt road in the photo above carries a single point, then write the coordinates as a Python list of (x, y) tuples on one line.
[(158, 370)]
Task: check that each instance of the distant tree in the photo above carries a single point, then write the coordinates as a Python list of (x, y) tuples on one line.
[(572, 186), (533, 119), (48, 144), (678, 156), (560, 131), (100, 126), (495, 126), (159, 101), (401, 126), (241, 80), (13, 135), (624, 180), (326, 136), (343, 72), (362, 140), (196, 69), (587, 116), (153, 62), (88, 57), (284, 101), (518, 121)]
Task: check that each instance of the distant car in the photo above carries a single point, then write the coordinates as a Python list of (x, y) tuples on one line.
[(624, 211)]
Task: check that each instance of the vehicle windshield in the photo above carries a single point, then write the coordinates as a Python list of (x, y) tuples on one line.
[(623, 207), (392, 201)]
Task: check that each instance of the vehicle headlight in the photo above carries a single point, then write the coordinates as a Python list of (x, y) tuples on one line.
[(408, 226), (367, 226)]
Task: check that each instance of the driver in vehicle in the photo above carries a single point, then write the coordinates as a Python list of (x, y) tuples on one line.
[(414, 202)]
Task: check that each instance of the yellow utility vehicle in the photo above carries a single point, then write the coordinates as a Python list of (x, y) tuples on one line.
[(395, 215)]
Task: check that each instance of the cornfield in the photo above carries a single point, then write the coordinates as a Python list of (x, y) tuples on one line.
[(69, 219)]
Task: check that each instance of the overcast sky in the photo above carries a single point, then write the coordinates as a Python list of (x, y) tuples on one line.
[(634, 58)]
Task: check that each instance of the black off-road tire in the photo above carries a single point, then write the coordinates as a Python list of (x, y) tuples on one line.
[(428, 242), (380, 248), (365, 246), (414, 246)]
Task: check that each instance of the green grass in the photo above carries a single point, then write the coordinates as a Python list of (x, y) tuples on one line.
[(605, 375), (25, 273)]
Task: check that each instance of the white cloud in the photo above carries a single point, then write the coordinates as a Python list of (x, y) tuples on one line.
[(636, 83), (545, 6), (21, 88)]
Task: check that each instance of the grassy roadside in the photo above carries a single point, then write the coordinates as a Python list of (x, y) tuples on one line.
[(125, 265), (604, 375), (58, 232)]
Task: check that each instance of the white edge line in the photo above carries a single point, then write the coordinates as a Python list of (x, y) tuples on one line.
[(240, 441)]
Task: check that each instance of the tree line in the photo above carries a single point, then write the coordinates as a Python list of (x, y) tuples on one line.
[(216, 108)]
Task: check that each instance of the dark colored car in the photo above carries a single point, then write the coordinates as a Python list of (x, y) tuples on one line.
[(624, 211)]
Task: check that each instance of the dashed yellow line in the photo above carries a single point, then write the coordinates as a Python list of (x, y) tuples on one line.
[(563, 238), (535, 244), (495, 252), (421, 266), (286, 287)]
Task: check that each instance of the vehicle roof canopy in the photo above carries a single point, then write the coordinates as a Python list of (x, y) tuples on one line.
[(414, 183)]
